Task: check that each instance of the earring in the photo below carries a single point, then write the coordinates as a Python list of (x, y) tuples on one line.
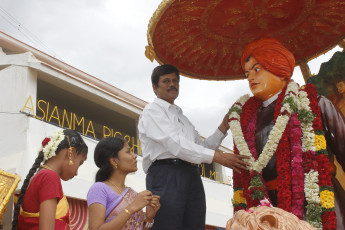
[(70, 162), (116, 166)]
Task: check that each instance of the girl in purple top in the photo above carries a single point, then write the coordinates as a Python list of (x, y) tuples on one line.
[(112, 205)]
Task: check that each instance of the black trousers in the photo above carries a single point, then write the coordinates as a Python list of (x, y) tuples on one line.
[(183, 203)]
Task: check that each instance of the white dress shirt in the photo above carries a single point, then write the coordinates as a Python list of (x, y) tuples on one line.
[(165, 133)]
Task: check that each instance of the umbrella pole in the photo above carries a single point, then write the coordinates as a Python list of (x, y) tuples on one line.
[(305, 70), (342, 44)]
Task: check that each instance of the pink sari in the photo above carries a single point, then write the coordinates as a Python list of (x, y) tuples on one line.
[(137, 219)]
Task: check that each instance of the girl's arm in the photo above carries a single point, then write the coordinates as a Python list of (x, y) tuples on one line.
[(97, 217), (47, 214), (97, 213)]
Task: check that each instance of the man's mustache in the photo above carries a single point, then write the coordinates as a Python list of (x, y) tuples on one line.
[(172, 88)]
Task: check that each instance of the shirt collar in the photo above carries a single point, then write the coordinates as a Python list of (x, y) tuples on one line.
[(270, 100), (166, 105)]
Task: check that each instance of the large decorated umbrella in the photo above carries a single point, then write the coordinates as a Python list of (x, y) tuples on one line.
[(205, 38)]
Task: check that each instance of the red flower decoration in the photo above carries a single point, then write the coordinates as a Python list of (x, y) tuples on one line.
[(317, 124), (309, 162), (329, 221), (45, 141)]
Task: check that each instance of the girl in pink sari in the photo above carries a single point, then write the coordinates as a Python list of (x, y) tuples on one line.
[(112, 205)]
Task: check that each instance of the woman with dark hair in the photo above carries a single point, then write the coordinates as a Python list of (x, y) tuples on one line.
[(112, 205), (41, 202)]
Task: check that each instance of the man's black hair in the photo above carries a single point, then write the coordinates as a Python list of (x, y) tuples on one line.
[(163, 70)]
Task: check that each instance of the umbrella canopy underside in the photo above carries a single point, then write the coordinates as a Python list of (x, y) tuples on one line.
[(204, 39)]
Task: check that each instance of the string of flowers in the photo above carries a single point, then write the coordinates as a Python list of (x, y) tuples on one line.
[(325, 206), (240, 198), (300, 151), (256, 190), (273, 139), (297, 167), (50, 144), (241, 181), (283, 155)]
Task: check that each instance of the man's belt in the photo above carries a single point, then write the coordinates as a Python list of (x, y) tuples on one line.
[(174, 162)]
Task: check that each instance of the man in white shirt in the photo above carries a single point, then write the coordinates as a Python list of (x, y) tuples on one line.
[(172, 151)]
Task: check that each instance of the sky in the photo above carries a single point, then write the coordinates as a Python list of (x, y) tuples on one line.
[(107, 39)]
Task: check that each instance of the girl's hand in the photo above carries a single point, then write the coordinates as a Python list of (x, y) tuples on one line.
[(152, 208), (143, 199)]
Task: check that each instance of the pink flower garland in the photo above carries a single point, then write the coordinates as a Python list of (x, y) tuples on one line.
[(298, 198), (250, 136)]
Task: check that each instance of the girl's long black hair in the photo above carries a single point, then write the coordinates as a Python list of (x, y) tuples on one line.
[(76, 141), (106, 148)]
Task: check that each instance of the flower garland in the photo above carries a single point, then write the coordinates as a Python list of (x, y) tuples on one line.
[(283, 156), (297, 141), (297, 171), (50, 144), (249, 106), (273, 139), (325, 206)]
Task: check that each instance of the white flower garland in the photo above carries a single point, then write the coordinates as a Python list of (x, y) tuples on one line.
[(311, 187), (275, 134), (50, 148), (308, 140)]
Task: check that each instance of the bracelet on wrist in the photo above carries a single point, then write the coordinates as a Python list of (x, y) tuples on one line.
[(149, 224), (127, 211)]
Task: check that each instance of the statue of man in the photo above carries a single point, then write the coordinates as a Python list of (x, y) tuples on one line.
[(284, 129)]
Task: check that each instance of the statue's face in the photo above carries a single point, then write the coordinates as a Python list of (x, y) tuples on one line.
[(341, 87), (262, 83)]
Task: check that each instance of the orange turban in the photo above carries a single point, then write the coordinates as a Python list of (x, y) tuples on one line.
[(271, 55)]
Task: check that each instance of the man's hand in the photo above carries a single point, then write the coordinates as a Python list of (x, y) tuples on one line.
[(231, 160), (224, 126)]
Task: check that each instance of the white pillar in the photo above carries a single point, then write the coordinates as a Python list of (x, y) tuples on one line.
[(18, 83)]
